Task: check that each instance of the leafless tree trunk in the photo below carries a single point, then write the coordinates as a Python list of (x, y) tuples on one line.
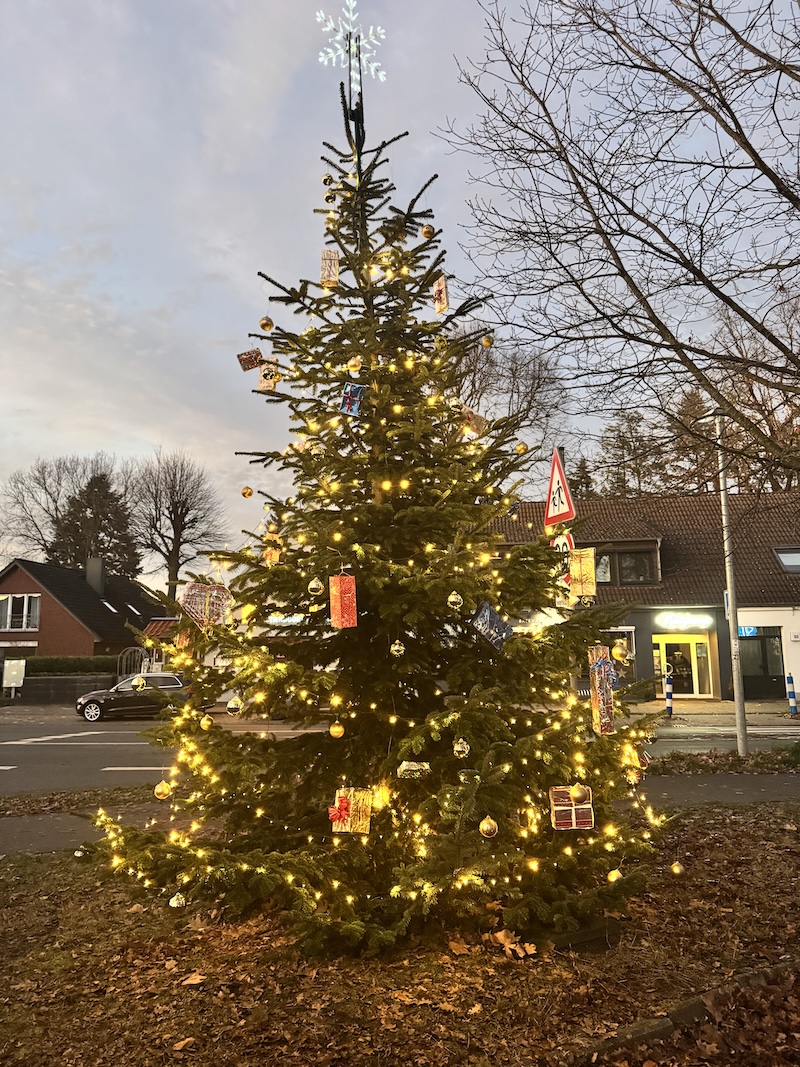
[(177, 514), (641, 197)]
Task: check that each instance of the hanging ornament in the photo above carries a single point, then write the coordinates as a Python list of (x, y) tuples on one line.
[(440, 303), (461, 748), (206, 722), (352, 398), (428, 231), (579, 793), (247, 492), (268, 376), (567, 814), (354, 364), (330, 197), (315, 587), (329, 264), (487, 341), (327, 179), (488, 827), (351, 811), (455, 600), (678, 868), (251, 359), (271, 553), (177, 901), (266, 324), (490, 626), (138, 683), (411, 769), (473, 422), (206, 604), (234, 705), (397, 648), (336, 729), (614, 876), (601, 681), (520, 448), (344, 611), (163, 790)]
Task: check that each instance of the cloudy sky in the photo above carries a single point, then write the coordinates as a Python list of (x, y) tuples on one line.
[(156, 155)]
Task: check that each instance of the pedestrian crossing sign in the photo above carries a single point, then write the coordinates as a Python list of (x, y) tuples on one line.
[(558, 507)]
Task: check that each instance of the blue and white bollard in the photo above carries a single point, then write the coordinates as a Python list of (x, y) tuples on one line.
[(791, 696), (668, 694)]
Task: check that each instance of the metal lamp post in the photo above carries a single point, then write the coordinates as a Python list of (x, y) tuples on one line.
[(730, 581)]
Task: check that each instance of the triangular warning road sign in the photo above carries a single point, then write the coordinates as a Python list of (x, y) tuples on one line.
[(559, 506)]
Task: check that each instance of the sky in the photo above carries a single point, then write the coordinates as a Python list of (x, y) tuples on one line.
[(157, 154)]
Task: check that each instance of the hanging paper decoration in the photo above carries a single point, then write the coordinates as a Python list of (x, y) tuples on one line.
[(352, 398), (269, 376), (251, 359), (566, 814), (351, 811), (582, 582), (440, 302), (473, 422), (410, 769), (206, 604), (601, 680), (490, 626), (271, 552), (329, 267), (343, 601)]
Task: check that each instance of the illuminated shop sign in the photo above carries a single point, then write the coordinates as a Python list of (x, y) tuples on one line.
[(677, 620)]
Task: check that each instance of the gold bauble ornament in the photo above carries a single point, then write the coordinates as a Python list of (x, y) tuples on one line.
[(488, 827), (330, 198), (206, 722), (247, 492), (428, 231), (315, 587), (397, 648), (138, 683), (234, 705), (461, 748), (354, 364), (163, 790), (455, 600), (336, 729), (520, 448), (327, 179), (578, 793), (487, 341), (678, 868), (614, 876), (266, 324)]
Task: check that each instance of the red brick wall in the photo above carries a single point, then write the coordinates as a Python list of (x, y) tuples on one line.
[(59, 633)]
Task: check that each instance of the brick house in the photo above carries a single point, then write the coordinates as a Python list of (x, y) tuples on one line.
[(663, 556), (47, 610)]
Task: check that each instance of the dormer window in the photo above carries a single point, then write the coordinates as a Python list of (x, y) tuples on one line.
[(627, 566), (789, 559)]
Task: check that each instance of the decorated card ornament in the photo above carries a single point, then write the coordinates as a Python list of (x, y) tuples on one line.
[(269, 376), (568, 814), (473, 422), (601, 682), (412, 769), (352, 398), (351, 811), (582, 581), (440, 302), (271, 553), (490, 626), (329, 268), (344, 612), (251, 359)]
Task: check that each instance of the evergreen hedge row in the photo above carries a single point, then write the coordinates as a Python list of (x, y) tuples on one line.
[(50, 666)]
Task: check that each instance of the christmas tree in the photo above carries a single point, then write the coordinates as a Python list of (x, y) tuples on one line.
[(376, 602)]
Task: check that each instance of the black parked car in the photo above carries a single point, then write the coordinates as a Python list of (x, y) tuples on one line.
[(131, 697)]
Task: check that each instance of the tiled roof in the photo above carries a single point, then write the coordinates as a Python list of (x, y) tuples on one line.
[(160, 627), (690, 531), (71, 589)]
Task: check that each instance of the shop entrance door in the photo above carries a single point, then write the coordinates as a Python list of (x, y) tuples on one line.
[(762, 665), (685, 657)]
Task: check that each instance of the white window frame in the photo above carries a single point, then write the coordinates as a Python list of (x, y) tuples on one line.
[(30, 617)]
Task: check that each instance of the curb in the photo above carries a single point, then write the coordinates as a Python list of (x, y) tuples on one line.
[(689, 1012)]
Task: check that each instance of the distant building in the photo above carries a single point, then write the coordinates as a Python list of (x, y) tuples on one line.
[(47, 610), (663, 556)]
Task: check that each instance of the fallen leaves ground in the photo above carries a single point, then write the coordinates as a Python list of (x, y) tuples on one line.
[(95, 972)]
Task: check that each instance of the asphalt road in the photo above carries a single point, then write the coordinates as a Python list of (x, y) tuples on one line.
[(55, 751)]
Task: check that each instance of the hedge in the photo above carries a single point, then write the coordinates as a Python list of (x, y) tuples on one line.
[(61, 665)]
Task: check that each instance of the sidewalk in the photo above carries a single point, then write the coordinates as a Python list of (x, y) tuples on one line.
[(695, 715)]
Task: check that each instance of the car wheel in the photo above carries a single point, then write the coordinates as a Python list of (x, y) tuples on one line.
[(92, 711)]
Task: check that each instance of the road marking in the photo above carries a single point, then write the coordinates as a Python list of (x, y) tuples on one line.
[(82, 744), (51, 737), (8, 768), (158, 769)]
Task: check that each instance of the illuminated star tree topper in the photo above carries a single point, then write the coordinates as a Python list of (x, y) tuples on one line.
[(350, 46)]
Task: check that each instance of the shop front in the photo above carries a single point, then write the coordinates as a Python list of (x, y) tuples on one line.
[(684, 647)]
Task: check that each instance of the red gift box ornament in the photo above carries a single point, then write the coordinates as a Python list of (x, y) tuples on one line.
[(343, 601), (341, 812)]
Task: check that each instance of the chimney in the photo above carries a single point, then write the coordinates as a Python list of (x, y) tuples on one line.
[(95, 575)]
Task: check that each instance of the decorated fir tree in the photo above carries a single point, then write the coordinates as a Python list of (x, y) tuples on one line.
[(376, 603)]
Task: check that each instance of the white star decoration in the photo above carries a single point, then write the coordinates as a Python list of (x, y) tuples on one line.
[(346, 37)]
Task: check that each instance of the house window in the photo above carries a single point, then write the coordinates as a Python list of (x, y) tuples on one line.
[(789, 559), (20, 611), (602, 568), (635, 568), (628, 566)]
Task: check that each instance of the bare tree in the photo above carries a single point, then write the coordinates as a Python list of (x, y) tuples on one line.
[(34, 499), (176, 514), (640, 196)]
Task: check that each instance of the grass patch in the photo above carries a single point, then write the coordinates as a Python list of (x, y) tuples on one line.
[(768, 761)]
